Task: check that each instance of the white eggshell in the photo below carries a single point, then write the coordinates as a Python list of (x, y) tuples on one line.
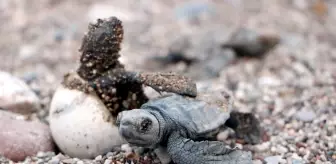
[(81, 125)]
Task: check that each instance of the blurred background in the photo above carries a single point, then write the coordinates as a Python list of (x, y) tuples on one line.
[(42, 38), (291, 89)]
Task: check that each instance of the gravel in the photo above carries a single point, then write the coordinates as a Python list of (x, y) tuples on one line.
[(292, 91)]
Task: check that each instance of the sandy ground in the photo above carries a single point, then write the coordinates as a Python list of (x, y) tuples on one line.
[(293, 93)]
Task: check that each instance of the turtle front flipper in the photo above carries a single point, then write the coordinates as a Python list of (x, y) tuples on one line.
[(186, 151), (167, 82), (162, 154), (246, 127)]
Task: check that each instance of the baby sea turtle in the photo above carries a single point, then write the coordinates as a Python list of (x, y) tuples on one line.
[(101, 72), (186, 128)]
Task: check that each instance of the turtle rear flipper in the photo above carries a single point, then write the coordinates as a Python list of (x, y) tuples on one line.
[(246, 127), (187, 151)]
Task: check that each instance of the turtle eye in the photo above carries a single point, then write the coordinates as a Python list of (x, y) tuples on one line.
[(145, 125)]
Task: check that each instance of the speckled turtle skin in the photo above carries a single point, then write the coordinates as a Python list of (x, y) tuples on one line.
[(185, 126)]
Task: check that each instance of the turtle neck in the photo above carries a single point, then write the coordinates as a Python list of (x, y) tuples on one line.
[(165, 126)]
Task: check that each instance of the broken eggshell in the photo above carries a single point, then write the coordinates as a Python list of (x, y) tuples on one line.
[(81, 125)]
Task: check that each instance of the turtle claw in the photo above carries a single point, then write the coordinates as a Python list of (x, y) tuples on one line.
[(168, 82), (247, 128)]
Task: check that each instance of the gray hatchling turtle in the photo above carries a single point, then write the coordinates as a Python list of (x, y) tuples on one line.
[(187, 127)]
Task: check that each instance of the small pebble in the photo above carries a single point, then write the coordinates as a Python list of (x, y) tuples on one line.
[(222, 136), (126, 148), (262, 147), (273, 159), (281, 149), (54, 161), (268, 81), (305, 115), (331, 145), (80, 162), (24, 138), (297, 161), (257, 162), (68, 161), (273, 149), (16, 96), (40, 154), (40, 161), (27, 51), (108, 161), (239, 146), (110, 154), (98, 158)]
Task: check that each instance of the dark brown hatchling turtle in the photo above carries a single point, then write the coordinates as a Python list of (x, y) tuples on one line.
[(102, 72), (186, 128)]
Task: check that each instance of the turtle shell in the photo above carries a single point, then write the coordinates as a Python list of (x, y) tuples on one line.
[(201, 116)]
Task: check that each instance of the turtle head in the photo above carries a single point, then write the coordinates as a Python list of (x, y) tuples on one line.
[(139, 127)]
